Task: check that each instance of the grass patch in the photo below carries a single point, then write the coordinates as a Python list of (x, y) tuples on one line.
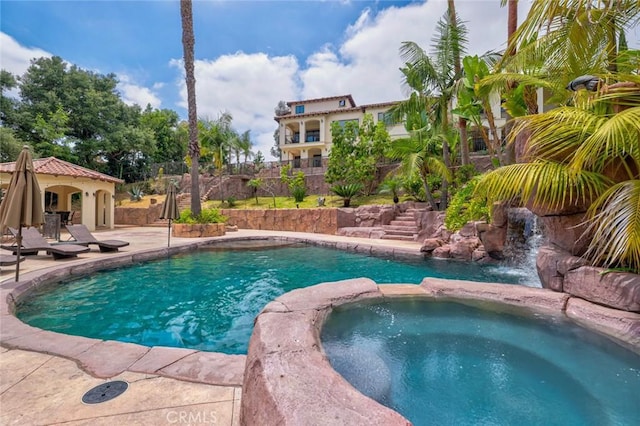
[(309, 202)]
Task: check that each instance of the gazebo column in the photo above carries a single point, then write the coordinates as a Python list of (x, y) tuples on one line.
[(89, 210)]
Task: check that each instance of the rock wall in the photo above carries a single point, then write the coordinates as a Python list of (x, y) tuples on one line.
[(320, 220), (560, 271), (137, 216)]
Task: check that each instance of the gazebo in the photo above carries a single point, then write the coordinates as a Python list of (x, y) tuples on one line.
[(59, 180)]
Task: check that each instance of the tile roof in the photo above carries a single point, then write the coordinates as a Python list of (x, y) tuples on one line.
[(362, 108), (308, 101), (56, 167)]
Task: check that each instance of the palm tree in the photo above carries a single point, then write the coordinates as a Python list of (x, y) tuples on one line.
[(462, 122), (431, 81), (188, 42), (420, 154), (217, 137), (584, 154), (245, 145)]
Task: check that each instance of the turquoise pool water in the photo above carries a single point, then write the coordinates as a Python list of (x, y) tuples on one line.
[(208, 300), (440, 363)]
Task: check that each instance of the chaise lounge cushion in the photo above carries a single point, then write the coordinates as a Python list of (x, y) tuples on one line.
[(33, 242), (83, 236)]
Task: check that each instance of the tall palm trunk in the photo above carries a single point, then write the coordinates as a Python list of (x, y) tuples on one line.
[(188, 43), (512, 26), (462, 122)]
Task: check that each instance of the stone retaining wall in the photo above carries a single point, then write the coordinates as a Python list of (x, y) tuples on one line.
[(325, 220), (137, 216)]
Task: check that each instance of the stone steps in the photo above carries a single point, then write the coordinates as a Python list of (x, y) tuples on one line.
[(398, 237), (403, 227)]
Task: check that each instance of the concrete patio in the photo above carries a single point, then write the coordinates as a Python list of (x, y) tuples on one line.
[(164, 388)]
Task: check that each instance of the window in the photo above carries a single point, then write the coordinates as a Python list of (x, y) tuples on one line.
[(386, 118), (343, 122), (313, 135), (299, 109), (341, 103)]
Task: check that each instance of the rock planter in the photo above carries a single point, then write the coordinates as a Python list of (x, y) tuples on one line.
[(198, 230)]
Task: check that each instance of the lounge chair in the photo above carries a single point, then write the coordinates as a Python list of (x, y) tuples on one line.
[(8, 260), (83, 236), (33, 242)]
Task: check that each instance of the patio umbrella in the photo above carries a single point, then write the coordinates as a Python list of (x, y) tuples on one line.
[(22, 202), (170, 208)]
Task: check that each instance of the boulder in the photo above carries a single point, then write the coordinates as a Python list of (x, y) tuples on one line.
[(493, 238), (549, 257), (615, 289), (567, 232), (442, 252), (463, 249), (430, 244)]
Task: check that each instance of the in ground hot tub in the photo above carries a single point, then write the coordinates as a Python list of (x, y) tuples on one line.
[(441, 362), (482, 353)]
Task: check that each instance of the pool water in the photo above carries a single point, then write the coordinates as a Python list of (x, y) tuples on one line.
[(443, 363), (208, 300)]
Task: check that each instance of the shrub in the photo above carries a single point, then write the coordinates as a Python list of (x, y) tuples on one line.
[(136, 193), (206, 216), (465, 207), (391, 185), (414, 187), (231, 201), (347, 192), (299, 192)]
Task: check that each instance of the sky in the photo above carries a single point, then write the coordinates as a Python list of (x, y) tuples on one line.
[(249, 54)]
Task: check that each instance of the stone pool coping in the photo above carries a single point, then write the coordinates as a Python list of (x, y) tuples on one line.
[(289, 380), (107, 358)]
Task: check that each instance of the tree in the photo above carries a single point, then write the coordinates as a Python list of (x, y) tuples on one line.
[(473, 100), (431, 81), (8, 105), (585, 154), (188, 42), (355, 152), (420, 155), (459, 34), (10, 146), (275, 150), (282, 109), (164, 125)]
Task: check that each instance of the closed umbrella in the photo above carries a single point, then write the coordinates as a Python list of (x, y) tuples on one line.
[(22, 202), (170, 208)]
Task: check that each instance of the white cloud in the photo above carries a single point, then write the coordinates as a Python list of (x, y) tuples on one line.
[(247, 86), (16, 58), (132, 93), (365, 65)]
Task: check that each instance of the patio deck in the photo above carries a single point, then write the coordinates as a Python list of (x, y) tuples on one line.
[(41, 388)]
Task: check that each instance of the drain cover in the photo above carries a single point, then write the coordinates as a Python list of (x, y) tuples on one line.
[(105, 392)]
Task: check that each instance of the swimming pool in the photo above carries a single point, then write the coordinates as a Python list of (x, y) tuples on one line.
[(208, 300), (448, 363)]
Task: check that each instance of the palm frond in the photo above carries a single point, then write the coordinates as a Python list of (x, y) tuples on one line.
[(614, 139), (557, 134), (615, 222), (541, 184)]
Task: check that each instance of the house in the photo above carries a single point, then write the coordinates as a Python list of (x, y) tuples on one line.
[(305, 129), (60, 180)]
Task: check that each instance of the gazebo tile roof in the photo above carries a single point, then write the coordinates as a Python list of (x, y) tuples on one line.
[(56, 167)]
